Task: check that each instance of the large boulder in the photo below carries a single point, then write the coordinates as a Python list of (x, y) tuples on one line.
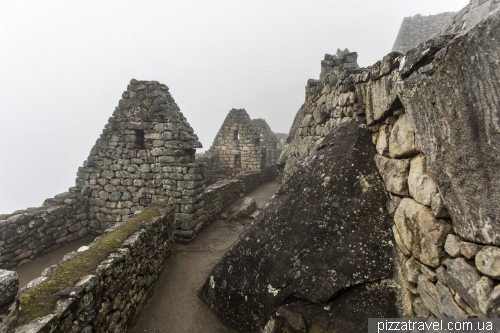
[(453, 104), (323, 246)]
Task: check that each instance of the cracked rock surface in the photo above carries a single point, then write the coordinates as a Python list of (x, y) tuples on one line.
[(323, 241)]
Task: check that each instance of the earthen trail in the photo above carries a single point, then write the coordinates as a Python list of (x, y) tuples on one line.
[(175, 306)]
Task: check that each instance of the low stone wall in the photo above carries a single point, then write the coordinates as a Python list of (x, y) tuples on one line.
[(27, 234), (219, 196), (250, 181), (103, 288)]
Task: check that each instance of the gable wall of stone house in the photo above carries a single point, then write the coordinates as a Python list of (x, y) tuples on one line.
[(236, 148), (145, 155), (268, 140)]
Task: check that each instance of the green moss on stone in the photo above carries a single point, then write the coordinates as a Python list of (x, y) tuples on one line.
[(41, 300)]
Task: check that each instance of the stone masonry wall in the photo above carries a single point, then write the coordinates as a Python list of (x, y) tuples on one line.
[(267, 140), (111, 296), (441, 273), (145, 156), (236, 148), (417, 29), (220, 195), (27, 234)]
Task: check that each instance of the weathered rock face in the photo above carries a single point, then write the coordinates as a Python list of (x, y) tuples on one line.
[(323, 241), (454, 109)]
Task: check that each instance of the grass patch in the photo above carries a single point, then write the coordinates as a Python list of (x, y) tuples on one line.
[(40, 301)]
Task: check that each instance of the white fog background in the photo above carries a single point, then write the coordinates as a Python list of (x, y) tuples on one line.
[(65, 64)]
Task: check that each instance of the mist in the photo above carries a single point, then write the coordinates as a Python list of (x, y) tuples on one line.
[(64, 66)]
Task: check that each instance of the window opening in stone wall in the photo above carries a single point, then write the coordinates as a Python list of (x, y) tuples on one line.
[(139, 139), (257, 142), (275, 145), (237, 161), (236, 135)]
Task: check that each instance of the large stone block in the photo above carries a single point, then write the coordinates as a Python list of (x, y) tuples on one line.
[(422, 234), (331, 207), (488, 261), (395, 173), (402, 141), (455, 112), (9, 283), (420, 184)]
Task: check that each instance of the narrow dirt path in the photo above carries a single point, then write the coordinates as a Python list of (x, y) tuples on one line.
[(175, 306)]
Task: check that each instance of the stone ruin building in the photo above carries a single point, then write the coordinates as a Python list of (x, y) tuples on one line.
[(236, 148), (417, 29), (145, 155), (268, 140)]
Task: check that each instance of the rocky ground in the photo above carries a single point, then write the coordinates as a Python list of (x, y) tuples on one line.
[(175, 306)]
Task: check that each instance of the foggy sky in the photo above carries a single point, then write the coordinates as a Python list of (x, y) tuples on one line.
[(65, 64)]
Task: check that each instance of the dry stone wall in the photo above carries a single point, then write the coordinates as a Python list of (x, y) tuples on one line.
[(111, 295), (236, 148), (268, 140), (27, 234), (146, 155), (431, 112)]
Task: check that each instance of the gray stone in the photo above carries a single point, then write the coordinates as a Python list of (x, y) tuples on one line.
[(395, 174), (293, 319), (455, 113), (412, 270), (419, 308), (493, 306), (33, 283), (429, 295), (382, 142), (46, 324), (392, 204), (9, 282), (422, 234), (420, 184), (402, 140), (381, 98), (488, 261), (469, 250), (244, 210), (484, 288), (447, 304), (452, 246), (463, 278)]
